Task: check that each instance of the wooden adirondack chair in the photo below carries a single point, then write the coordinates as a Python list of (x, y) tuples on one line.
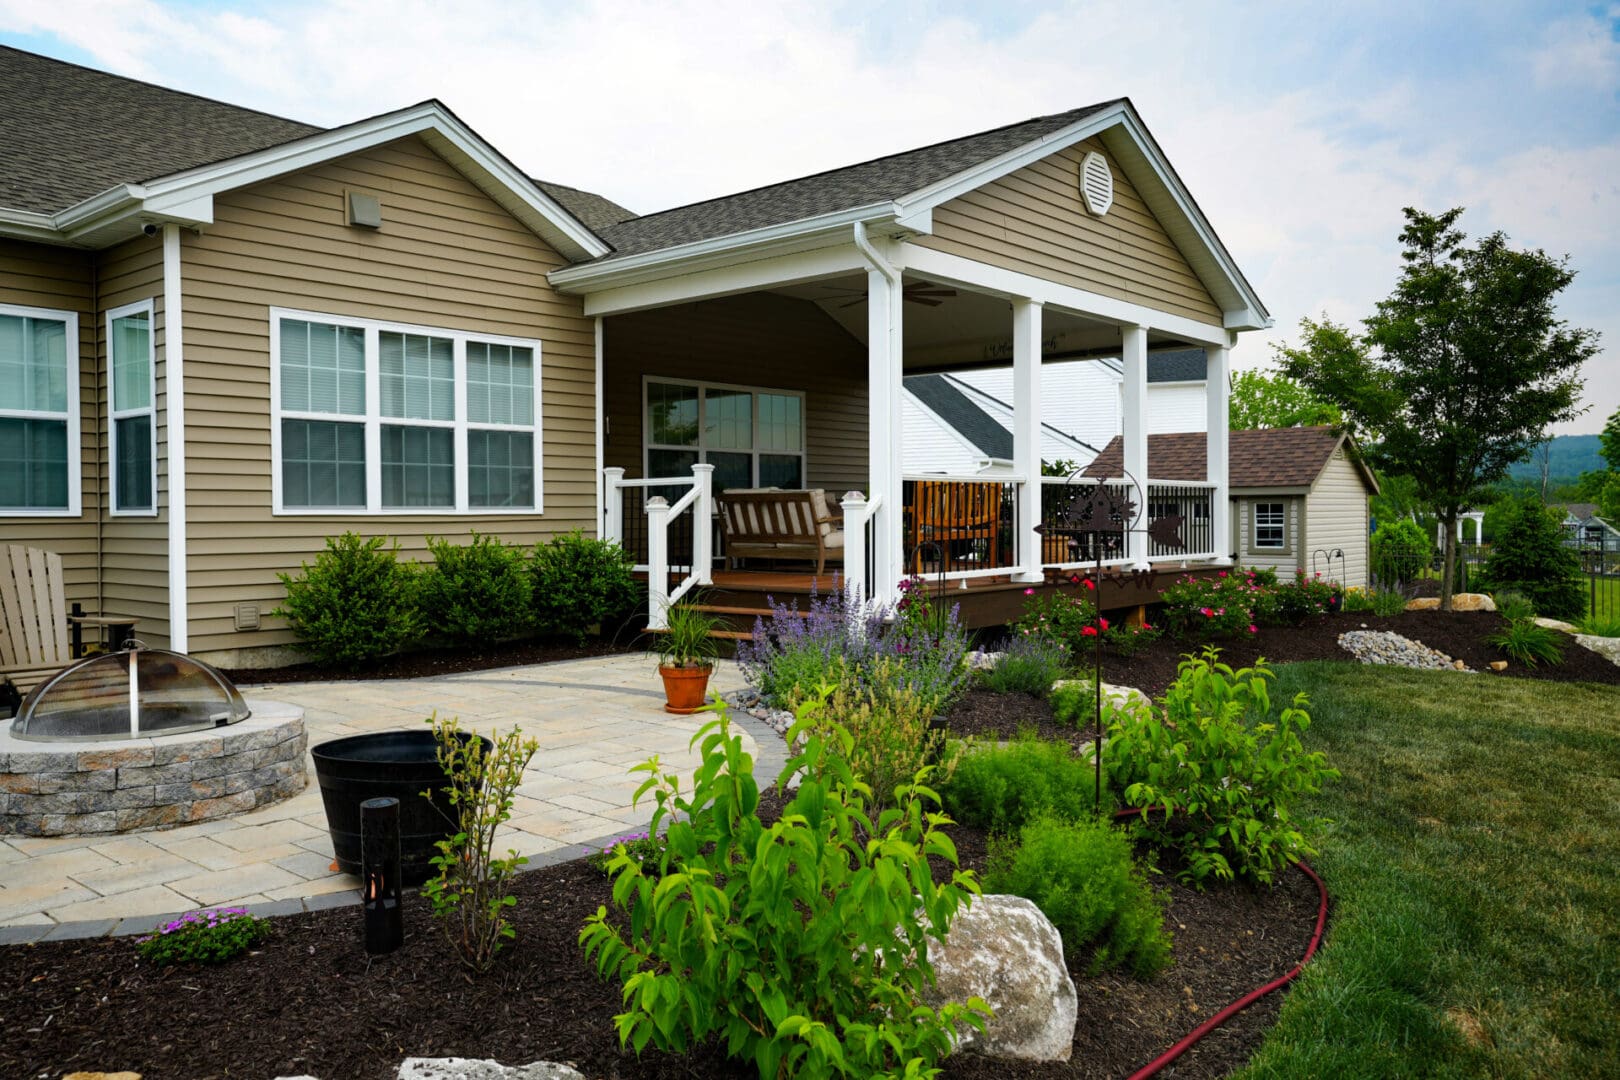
[(35, 621)]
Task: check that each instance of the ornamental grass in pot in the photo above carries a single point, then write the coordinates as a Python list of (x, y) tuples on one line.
[(686, 651)]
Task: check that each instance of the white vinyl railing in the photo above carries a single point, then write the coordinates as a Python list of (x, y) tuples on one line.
[(1192, 501), (697, 502)]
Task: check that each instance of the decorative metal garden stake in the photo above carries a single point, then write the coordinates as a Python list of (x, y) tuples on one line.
[(1092, 511), (380, 875)]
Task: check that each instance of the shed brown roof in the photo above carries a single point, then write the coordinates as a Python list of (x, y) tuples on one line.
[(1265, 458)]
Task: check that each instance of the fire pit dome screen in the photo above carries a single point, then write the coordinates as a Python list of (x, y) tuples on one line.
[(129, 695)]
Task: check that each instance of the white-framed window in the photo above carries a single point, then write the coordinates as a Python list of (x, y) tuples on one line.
[(132, 409), (1270, 526), (39, 412), (389, 418), (753, 436)]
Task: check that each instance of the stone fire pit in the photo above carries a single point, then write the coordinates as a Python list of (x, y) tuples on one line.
[(126, 785)]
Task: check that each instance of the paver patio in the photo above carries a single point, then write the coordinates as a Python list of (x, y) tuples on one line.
[(594, 719)]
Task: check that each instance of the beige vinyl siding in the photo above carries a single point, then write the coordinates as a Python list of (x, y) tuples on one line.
[(1285, 561), (135, 550), (63, 279), (757, 340), (1033, 221), (1338, 519), (446, 256)]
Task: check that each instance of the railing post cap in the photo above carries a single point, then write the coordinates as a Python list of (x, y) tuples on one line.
[(657, 502), (854, 496), (702, 467)]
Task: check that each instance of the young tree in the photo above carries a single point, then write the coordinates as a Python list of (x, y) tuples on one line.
[(1260, 400), (1609, 440), (1461, 370)]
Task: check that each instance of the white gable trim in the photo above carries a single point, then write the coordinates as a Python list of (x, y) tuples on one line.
[(187, 197)]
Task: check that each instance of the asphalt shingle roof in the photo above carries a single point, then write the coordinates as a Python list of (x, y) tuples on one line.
[(971, 422), (70, 132), (827, 192), (597, 212), (1266, 458)]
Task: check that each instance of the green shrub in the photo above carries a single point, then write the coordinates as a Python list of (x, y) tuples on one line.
[(1388, 602), (1216, 775), (1529, 556), (579, 582), (208, 936), (476, 593), (1226, 605), (800, 946), (1358, 601), (468, 894), (1074, 703), (1600, 625), (1027, 665), (356, 604), (890, 725), (1082, 877), (1531, 645), (645, 849), (1005, 787), (1400, 551), (1070, 619), (1299, 600), (1513, 606)]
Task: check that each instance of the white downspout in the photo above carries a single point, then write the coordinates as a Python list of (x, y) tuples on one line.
[(175, 407)]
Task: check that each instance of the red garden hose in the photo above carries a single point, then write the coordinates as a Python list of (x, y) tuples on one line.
[(1152, 1068)]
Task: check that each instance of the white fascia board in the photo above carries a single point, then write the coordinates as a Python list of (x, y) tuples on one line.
[(727, 279), (820, 231), (1251, 316), (982, 277)]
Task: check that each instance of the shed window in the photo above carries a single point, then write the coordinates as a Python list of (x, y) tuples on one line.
[(39, 411), (379, 417), (753, 437), (1270, 526)]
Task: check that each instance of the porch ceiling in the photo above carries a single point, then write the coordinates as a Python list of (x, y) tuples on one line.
[(968, 329)]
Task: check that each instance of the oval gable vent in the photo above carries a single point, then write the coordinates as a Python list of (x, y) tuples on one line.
[(1096, 183)]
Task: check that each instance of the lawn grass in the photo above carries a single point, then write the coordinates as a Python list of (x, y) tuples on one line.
[(1474, 863)]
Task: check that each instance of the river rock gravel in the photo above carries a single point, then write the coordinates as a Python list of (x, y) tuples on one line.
[(1385, 647)]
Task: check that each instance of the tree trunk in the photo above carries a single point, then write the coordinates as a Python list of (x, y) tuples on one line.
[(1448, 555)]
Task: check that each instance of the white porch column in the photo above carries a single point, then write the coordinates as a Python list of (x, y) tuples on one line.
[(1027, 434), (1133, 434), (885, 463), (703, 524), (1217, 452)]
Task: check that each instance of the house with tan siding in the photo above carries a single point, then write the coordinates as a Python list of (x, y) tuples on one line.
[(226, 336), (1299, 496)]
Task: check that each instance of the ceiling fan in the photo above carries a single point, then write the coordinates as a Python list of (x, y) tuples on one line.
[(925, 293)]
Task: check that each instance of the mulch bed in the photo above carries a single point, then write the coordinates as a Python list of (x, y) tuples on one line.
[(309, 1001), (987, 715), (1458, 634), (415, 665)]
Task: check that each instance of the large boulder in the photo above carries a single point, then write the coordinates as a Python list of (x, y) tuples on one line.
[(1463, 601), (1005, 951)]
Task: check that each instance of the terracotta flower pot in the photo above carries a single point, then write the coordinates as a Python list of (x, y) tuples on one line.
[(684, 688)]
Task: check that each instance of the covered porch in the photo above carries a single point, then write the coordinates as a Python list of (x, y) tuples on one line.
[(787, 374)]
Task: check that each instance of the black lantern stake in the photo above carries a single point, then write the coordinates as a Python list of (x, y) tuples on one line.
[(1093, 511), (380, 877)]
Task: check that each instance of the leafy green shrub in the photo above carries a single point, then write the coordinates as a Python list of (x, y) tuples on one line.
[(469, 895), (476, 593), (1529, 644), (1300, 599), (798, 946), (1513, 606), (644, 848), (579, 582), (356, 604), (1600, 625), (1074, 702), (889, 723), (1069, 619), (1357, 601), (1529, 556), (208, 936), (1388, 602), (1216, 776), (1027, 665), (1082, 877), (1400, 551), (1207, 608), (1004, 787)]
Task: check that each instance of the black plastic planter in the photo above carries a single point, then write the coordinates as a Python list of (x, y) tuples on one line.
[(387, 764)]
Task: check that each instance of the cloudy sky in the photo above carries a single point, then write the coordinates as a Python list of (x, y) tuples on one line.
[(1302, 129)]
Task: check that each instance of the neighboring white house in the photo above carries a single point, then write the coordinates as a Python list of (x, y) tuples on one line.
[(1584, 528), (961, 422)]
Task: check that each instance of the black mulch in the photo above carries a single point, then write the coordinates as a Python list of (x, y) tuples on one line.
[(414, 665), (1460, 635), (989, 715), (309, 1001)]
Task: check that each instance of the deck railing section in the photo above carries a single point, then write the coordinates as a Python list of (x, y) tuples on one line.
[(968, 523), (1191, 502), (641, 518)]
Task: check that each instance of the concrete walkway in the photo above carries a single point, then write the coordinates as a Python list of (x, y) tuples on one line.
[(594, 719)]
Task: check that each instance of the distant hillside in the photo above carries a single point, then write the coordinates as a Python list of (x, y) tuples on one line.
[(1571, 456)]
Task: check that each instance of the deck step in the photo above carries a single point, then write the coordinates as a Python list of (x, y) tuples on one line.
[(729, 635), (763, 613)]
